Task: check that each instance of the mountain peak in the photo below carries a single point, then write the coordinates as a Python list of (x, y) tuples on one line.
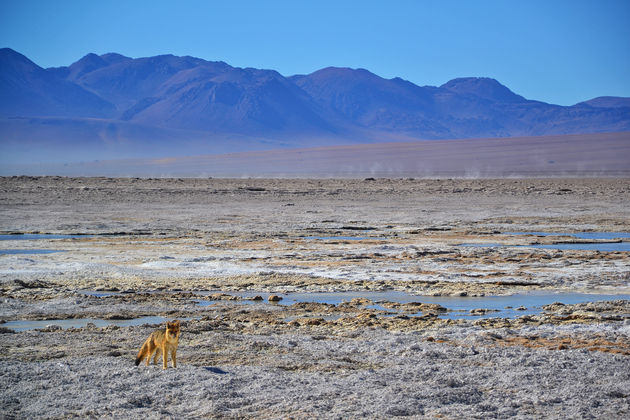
[(608, 102), (11, 60), (342, 72), (113, 58), (90, 60), (8, 52), (29, 90), (86, 64), (483, 87), (111, 96)]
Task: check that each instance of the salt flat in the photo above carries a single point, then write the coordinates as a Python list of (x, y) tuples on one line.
[(157, 247)]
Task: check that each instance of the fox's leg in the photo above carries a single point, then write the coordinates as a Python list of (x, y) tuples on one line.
[(151, 348), (174, 356), (158, 350), (164, 356)]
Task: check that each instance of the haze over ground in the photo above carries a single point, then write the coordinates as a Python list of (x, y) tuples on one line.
[(450, 71)]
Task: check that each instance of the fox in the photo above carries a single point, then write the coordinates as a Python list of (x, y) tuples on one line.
[(161, 341)]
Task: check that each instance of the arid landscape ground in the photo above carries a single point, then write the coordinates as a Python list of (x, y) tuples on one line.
[(568, 156), (307, 298)]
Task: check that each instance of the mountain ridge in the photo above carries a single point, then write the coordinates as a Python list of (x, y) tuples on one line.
[(211, 101)]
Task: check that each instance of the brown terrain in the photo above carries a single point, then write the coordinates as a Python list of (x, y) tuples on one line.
[(580, 155), (316, 297)]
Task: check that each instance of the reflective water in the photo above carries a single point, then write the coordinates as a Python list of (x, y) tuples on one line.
[(334, 298), (459, 307), (515, 305), (580, 235), (29, 251), (597, 246), (602, 247)]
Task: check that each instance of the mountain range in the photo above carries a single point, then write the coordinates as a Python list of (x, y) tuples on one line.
[(111, 106)]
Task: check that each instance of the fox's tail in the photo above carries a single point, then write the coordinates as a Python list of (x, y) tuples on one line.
[(141, 353)]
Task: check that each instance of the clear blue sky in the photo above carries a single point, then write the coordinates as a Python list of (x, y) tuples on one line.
[(557, 51)]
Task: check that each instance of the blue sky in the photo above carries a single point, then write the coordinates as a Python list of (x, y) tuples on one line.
[(556, 51)]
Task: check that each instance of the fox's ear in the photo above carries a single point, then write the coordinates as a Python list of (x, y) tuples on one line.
[(176, 323)]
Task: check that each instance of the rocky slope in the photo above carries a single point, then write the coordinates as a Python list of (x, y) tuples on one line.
[(116, 102)]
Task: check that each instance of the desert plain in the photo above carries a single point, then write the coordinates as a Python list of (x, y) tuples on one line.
[(316, 298)]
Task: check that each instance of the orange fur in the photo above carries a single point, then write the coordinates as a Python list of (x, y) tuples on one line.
[(161, 342)]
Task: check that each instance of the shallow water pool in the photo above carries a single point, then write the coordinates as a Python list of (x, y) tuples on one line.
[(580, 235), (507, 306), (29, 251), (602, 246), (459, 307), (617, 245)]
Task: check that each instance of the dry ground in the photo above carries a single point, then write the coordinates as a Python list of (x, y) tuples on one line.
[(161, 245)]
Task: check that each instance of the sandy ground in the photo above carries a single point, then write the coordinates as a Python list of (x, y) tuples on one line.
[(156, 247), (573, 155)]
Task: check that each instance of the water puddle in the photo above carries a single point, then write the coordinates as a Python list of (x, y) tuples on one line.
[(29, 251), (615, 246), (512, 306), (602, 246), (580, 235), (23, 325), (333, 298)]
